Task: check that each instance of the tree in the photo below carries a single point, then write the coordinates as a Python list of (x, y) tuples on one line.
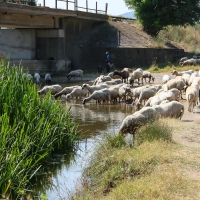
[(27, 2), (155, 15)]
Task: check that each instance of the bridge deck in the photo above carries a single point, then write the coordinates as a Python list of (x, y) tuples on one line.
[(25, 16)]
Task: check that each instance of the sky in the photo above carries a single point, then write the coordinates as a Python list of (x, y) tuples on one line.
[(115, 7)]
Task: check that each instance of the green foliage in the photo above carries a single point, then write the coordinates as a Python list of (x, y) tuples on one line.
[(27, 2), (155, 15), (153, 130), (31, 128)]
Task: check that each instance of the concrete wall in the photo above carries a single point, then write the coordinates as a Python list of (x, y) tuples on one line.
[(88, 58), (20, 43), (54, 67)]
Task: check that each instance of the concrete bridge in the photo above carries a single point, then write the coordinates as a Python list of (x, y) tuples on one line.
[(16, 15), (53, 40)]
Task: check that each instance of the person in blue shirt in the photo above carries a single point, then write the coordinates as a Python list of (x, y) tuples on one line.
[(108, 62)]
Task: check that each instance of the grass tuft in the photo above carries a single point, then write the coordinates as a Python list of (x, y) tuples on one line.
[(153, 130)]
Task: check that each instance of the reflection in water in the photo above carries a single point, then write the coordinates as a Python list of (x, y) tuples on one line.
[(94, 120)]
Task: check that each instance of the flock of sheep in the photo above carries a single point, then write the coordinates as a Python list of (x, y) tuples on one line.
[(151, 101)]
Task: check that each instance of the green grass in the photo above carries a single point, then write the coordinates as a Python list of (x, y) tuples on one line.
[(156, 168), (31, 128)]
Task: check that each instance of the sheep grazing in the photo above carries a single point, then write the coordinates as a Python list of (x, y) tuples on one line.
[(160, 97), (191, 61), (53, 88), (147, 74), (182, 60), (65, 91), (47, 79), (93, 88), (135, 93), (171, 109), (192, 96), (145, 95), (75, 73), (137, 74), (99, 95), (77, 93), (101, 79), (175, 83), (37, 78), (132, 122), (122, 92), (165, 78), (124, 74)]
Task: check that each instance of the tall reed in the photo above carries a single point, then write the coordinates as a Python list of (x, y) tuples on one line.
[(31, 128)]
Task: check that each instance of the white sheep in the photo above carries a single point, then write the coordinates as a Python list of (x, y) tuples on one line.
[(65, 91), (171, 109), (77, 93), (113, 82), (53, 88), (176, 93), (145, 95), (147, 74), (193, 75), (137, 74), (135, 92), (132, 122), (165, 78), (47, 79), (92, 88), (27, 76), (37, 78), (175, 83), (122, 92), (176, 73), (191, 61), (186, 78), (160, 97), (101, 79), (114, 92), (75, 73), (192, 96), (99, 95), (182, 60)]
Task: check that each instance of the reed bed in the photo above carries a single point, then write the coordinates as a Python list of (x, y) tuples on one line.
[(31, 128)]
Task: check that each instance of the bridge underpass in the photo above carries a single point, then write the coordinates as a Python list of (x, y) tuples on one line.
[(33, 34)]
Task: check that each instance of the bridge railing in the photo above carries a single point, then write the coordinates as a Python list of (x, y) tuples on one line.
[(80, 8)]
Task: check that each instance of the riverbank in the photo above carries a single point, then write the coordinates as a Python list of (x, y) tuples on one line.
[(153, 170)]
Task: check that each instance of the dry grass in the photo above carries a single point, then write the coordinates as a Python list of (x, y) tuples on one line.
[(187, 38), (152, 170)]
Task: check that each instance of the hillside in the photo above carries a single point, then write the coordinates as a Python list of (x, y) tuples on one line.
[(120, 32)]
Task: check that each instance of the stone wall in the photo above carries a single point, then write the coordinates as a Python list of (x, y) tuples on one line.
[(88, 58)]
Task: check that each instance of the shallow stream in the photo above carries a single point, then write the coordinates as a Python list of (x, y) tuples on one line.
[(94, 120)]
